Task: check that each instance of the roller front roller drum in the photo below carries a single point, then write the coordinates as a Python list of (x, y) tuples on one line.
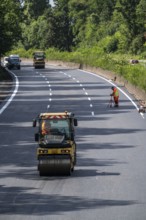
[(55, 165)]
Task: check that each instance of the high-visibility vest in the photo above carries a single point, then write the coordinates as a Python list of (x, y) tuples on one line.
[(45, 128), (116, 92)]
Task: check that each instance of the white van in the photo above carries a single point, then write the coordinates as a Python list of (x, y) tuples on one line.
[(5, 61)]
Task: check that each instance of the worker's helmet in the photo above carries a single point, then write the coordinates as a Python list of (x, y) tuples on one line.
[(112, 87)]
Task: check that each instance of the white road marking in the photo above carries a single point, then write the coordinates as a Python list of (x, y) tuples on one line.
[(92, 113), (13, 94), (115, 86), (86, 93)]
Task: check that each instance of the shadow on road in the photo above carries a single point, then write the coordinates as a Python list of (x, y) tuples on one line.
[(21, 201)]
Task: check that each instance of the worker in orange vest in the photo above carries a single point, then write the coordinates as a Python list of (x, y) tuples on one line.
[(115, 94), (45, 127)]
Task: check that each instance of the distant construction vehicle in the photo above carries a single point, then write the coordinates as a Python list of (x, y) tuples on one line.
[(39, 59), (56, 152)]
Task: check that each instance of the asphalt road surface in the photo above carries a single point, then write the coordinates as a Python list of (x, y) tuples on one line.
[(109, 181)]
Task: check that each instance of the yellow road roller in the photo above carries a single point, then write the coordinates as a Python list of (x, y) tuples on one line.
[(56, 151), (39, 59)]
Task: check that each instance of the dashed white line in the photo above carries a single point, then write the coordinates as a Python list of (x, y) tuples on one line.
[(116, 86), (92, 113)]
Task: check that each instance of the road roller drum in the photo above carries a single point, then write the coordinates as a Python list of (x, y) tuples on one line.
[(55, 165)]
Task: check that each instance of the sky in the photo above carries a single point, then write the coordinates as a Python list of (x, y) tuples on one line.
[(51, 2)]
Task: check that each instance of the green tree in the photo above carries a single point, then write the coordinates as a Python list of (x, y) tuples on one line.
[(60, 26), (35, 24), (128, 10), (10, 11), (130, 16), (35, 8)]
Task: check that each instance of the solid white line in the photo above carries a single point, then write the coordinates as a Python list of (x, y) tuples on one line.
[(13, 94), (115, 86)]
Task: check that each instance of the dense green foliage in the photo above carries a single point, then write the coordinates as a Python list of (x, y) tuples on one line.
[(113, 25), (92, 32), (10, 22)]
